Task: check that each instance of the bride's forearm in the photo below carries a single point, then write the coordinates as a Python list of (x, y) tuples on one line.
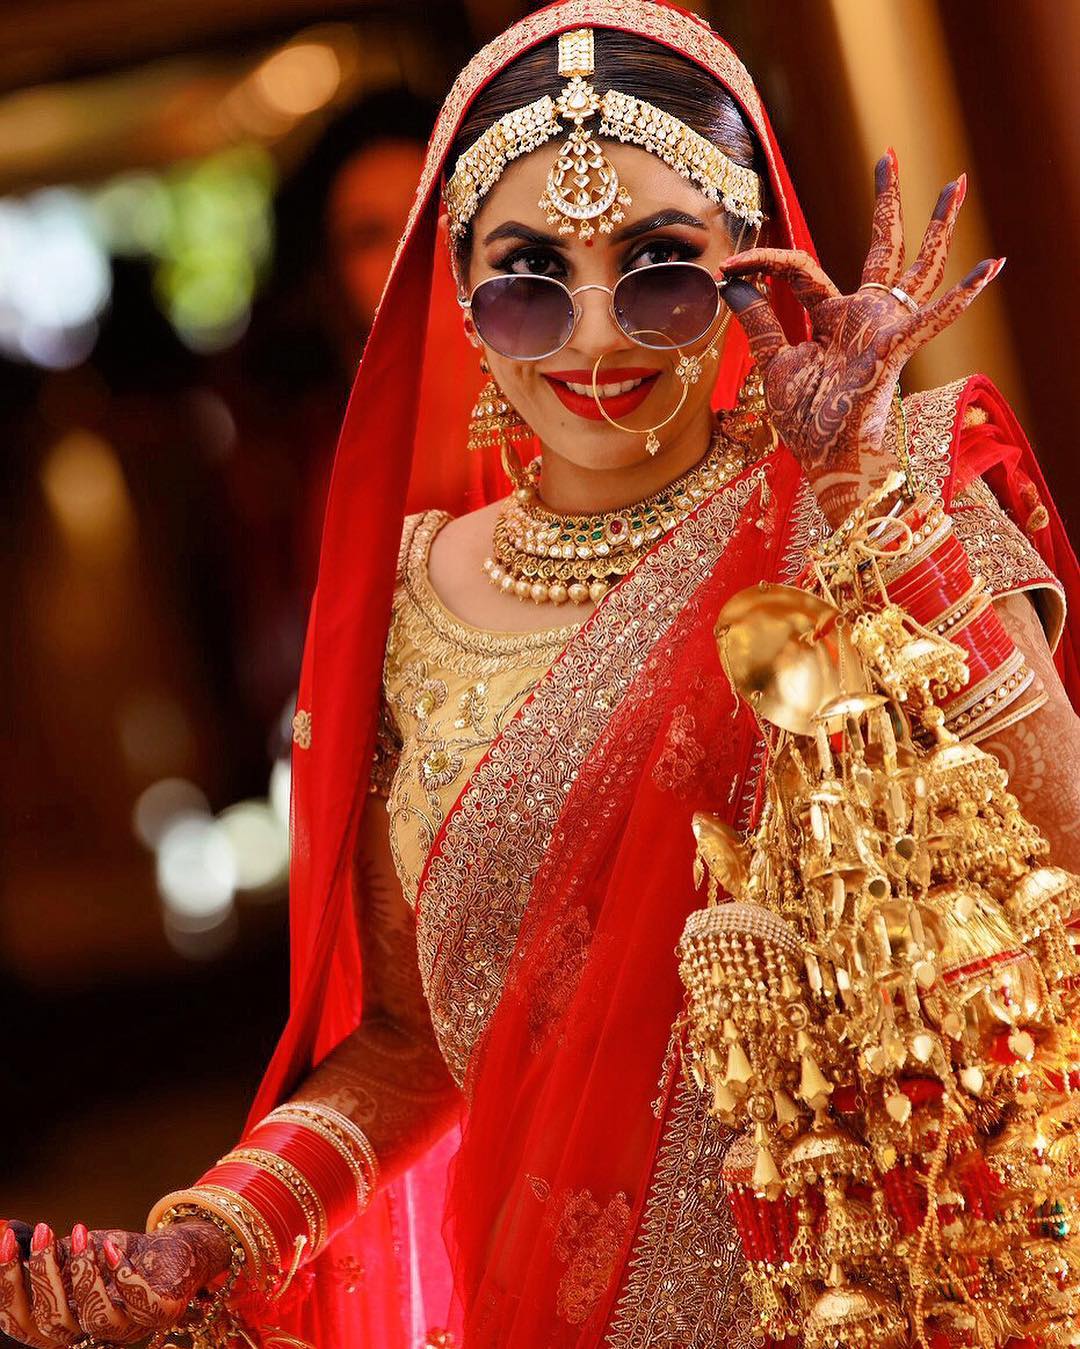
[(1041, 753), (389, 1078)]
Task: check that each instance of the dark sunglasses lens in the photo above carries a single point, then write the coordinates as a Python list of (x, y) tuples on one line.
[(669, 305), (522, 317)]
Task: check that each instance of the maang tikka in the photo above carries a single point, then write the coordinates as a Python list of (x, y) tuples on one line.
[(582, 184)]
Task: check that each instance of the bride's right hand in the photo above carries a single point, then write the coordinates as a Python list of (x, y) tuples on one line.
[(114, 1286)]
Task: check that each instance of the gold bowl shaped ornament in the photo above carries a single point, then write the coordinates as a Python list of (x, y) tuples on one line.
[(720, 852), (781, 649), (984, 964), (1042, 898), (856, 1318)]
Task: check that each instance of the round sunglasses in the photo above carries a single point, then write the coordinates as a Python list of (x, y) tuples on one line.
[(525, 317)]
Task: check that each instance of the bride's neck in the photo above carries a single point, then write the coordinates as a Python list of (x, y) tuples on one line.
[(576, 489)]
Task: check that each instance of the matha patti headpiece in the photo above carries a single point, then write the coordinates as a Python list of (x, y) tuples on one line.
[(583, 185)]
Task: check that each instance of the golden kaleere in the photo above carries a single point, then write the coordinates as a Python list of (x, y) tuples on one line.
[(886, 1008)]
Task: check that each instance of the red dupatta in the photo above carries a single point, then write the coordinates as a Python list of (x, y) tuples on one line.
[(385, 1279), (402, 446)]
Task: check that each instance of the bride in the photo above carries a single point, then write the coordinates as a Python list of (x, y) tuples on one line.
[(511, 706)]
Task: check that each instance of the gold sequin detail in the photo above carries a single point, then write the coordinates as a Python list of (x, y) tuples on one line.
[(587, 1241), (478, 881), (683, 1287), (1005, 557)]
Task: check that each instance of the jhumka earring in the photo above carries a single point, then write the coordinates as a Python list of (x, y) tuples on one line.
[(748, 421), (494, 421)]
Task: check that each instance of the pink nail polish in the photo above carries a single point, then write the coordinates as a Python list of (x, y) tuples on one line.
[(41, 1238), (79, 1238), (9, 1246), (112, 1255)]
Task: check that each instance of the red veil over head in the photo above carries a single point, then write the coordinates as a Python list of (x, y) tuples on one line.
[(402, 447)]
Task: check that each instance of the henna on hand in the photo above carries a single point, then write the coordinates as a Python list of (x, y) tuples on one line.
[(829, 397), (113, 1285)]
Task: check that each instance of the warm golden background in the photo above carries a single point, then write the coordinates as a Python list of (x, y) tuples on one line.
[(180, 222)]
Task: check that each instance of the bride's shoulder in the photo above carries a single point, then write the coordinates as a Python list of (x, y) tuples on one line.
[(455, 561), (448, 551)]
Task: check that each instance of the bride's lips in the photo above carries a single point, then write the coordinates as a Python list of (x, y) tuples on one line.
[(618, 405)]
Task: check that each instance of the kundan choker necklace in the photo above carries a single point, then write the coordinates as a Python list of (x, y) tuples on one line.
[(550, 558)]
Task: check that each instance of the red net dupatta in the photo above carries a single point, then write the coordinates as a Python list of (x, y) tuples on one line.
[(402, 447)]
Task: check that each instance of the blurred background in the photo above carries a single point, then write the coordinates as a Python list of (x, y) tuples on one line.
[(198, 202)]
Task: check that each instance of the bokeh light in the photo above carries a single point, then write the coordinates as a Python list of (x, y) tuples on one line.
[(54, 277), (260, 845), (85, 489), (205, 226), (281, 789), (299, 79), (162, 804), (196, 872)]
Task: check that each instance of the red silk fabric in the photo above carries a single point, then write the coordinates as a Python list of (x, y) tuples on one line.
[(385, 1279)]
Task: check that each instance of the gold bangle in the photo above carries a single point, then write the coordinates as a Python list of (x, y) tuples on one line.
[(982, 703), (930, 535), (962, 611), (249, 1217), (343, 1135), (294, 1180), (1015, 714), (199, 1201), (335, 1121)]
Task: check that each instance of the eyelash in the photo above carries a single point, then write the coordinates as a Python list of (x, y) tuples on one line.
[(683, 252)]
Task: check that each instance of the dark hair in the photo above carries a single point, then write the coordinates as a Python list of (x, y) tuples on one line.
[(633, 65)]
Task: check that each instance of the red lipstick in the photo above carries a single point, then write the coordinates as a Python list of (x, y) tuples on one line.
[(618, 405)]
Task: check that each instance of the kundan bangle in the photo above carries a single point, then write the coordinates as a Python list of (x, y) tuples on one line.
[(225, 1210)]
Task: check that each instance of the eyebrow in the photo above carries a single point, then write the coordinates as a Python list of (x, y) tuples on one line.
[(658, 220), (513, 229)]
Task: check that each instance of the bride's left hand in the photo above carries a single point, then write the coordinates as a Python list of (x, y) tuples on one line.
[(829, 397)]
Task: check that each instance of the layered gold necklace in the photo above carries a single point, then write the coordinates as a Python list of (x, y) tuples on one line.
[(549, 558)]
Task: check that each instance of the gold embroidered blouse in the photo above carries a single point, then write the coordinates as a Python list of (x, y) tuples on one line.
[(449, 690)]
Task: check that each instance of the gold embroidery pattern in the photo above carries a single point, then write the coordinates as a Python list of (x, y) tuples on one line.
[(450, 644), (478, 881), (931, 420), (301, 729), (683, 1288), (685, 33), (1003, 555), (587, 1241), (387, 755), (448, 690), (561, 961), (678, 762), (998, 548)]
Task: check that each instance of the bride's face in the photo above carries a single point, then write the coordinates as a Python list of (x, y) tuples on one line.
[(668, 221)]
